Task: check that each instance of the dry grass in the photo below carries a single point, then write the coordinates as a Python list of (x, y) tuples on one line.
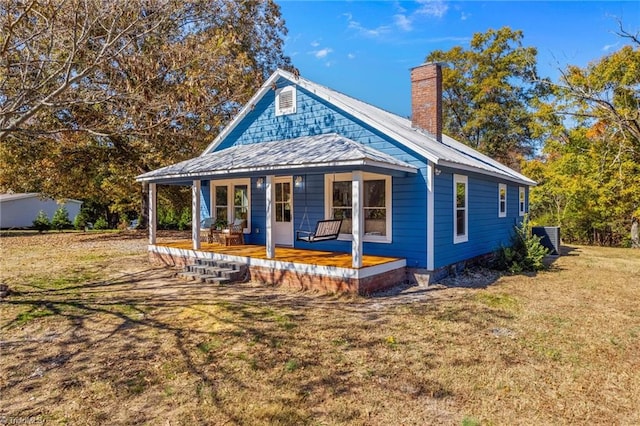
[(94, 335)]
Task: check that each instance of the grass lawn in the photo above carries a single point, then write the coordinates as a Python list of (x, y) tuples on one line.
[(92, 334)]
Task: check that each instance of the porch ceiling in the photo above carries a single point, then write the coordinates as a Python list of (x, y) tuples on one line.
[(328, 152)]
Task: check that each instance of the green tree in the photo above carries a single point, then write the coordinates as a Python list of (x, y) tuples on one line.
[(490, 94), (41, 222), (589, 172), (95, 93), (60, 219)]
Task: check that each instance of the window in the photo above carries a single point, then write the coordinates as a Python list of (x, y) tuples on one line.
[(521, 201), (502, 200), (460, 209), (286, 100), (376, 209), (230, 200)]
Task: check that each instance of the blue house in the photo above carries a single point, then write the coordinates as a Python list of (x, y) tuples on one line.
[(412, 200)]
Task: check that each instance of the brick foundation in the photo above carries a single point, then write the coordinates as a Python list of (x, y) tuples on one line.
[(300, 280)]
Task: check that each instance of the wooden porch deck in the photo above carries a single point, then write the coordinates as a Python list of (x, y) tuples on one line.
[(283, 254)]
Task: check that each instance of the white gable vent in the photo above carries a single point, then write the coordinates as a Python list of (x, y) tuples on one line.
[(286, 100)]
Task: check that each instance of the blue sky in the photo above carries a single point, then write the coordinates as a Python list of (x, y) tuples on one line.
[(366, 48)]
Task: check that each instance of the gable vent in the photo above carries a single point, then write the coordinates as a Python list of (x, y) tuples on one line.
[(286, 100)]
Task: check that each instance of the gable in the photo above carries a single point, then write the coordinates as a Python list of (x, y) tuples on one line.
[(319, 109)]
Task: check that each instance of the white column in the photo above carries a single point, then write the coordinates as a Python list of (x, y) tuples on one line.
[(153, 213), (195, 214), (270, 195), (430, 215), (357, 219)]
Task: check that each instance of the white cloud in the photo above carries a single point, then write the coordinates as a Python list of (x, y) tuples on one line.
[(464, 16), (315, 44), (322, 53), (608, 47), (403, 22), (435, 8), (351, 56)]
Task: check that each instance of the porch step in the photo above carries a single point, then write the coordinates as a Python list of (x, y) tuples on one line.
[(214, 272)]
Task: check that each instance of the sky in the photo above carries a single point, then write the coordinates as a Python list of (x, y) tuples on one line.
[(365, 49)]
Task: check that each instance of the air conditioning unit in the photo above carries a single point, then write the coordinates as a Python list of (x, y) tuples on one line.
[(550, 238)]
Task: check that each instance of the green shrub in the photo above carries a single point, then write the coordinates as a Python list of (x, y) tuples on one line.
[(41, 222), (81, 220), (60, 219), (185, 220), (525, 254), (101, 223)]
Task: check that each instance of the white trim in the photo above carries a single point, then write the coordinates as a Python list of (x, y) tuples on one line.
[(300, 268), (230, 184), (466, 168), (347, 177), (357, 217), (195, 214), (430, 216), (464, 237), (522, 201), (281, 92), (270, 196), (502, 186), (153, 212)]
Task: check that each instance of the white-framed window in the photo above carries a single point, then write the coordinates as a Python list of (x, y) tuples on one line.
[(286, 100), (376, 208), (231, 200), (502, 200), (460, 209), (522, 206)]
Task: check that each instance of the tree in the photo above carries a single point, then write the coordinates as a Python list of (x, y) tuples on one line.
[(95, 93), (589, 173), (60, 219), (41, 222), (490, 93)]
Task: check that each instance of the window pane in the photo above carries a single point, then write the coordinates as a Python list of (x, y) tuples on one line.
[(221, 195), (286, 191), (503, 206), (345, 215), (279, 212), (374, 193), (240, 196), (342, 194), (460, 195), (460, 225), (278, 192), (375, 222), (287, 212), (221, 213)]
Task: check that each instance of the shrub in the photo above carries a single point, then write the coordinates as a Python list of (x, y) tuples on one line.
[(185, 220), (41, 222), (101, 223), (60, 219), (81, 220), (526, 254)]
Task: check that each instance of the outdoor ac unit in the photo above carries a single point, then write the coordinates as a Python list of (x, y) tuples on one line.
[(550, 237)]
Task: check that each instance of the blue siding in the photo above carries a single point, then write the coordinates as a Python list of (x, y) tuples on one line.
[(315, 116), (205, 200), (486, 231)]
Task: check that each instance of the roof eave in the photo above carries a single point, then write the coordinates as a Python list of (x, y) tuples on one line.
[(355, 164), (517, 179)]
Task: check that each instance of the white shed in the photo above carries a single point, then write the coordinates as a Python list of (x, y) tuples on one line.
[(19, 210)]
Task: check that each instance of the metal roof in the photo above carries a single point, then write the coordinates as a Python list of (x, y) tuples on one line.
[(449, 152), (328, 151)]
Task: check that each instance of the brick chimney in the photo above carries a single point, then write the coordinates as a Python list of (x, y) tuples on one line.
[(426, 98)]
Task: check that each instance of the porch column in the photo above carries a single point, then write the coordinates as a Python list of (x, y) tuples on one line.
[(357, 219), (270, 195), (153, 213), (195, 214), (430, 215)]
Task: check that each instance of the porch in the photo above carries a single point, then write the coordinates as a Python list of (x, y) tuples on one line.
[(296, 268)]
